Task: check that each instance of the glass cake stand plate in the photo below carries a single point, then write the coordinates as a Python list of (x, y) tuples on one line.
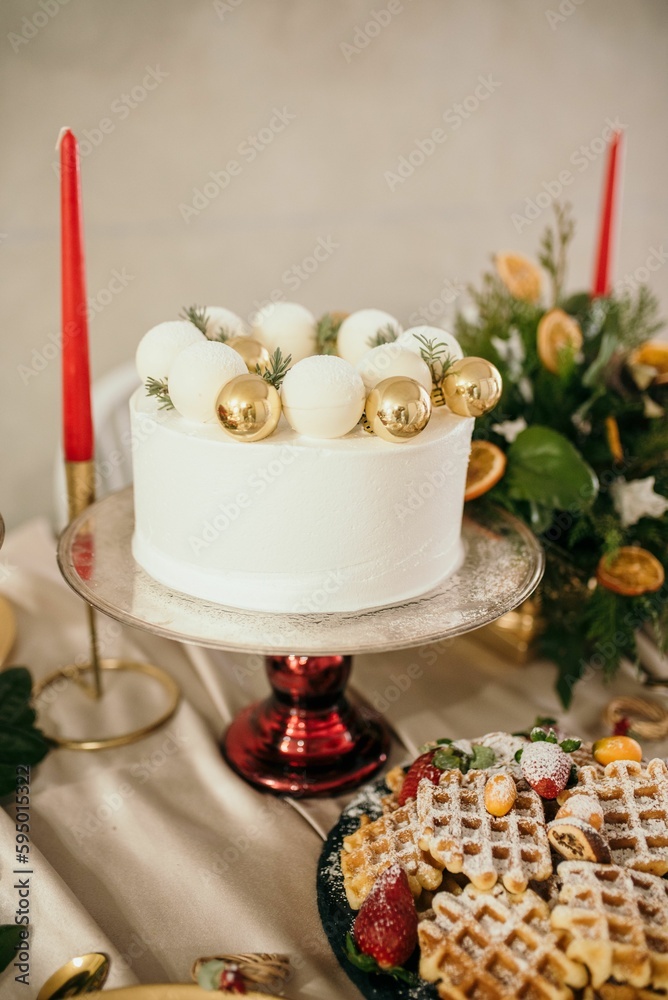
[(306, 738)]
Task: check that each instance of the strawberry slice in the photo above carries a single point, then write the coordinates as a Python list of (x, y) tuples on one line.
[(421, 768), (386, 925)]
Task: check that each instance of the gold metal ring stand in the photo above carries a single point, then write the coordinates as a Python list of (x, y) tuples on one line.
[(74, 674)]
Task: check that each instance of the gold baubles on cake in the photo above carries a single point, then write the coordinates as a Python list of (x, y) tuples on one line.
[(397, 409), (252, 351), (472, 387), (248, 408)]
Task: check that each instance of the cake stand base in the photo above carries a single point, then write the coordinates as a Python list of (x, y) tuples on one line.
[(306, 738)]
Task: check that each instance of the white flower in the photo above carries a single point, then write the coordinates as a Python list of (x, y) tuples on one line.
[(511, 351), (509, 429), (637, 499)]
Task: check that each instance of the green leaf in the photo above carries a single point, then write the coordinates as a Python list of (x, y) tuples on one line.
[(538, 735), (368, 964), (15, 681), (7, 780), (450, 758), (433, 744), (568, 746), (22, 746), (518, 754), (482, 757), (546, 470), (10, 935)]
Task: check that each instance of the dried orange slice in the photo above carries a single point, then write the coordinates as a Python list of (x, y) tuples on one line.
[(487, 463), (557, 332), (631, 571), (653, 354), (520, 275)]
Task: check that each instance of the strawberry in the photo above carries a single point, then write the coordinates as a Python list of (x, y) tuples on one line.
[(386, 925), (421, 768), (546, 768)]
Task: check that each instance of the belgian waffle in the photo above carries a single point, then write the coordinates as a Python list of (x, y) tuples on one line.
[(617, 921), (391, 839), (496, 946), (459, 833), (634, 799)]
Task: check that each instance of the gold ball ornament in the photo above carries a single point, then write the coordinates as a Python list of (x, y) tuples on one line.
[(248, 408), (252, 351), (398, 409), (472, 386)]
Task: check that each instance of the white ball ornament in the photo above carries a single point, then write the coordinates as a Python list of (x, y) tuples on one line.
[(286, 325), (323, 397), (388, 360), (159, 347), (409, 340), (219, 318), (197, 376), (358, 331)]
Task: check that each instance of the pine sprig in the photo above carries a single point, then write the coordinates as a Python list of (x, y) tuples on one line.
[(277, 370), (327, 331), (197, 315), (386, 335), (436, 356), (159, 389), (554, 248)]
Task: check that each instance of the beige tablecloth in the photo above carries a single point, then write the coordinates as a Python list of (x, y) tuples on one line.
[(157, 853)]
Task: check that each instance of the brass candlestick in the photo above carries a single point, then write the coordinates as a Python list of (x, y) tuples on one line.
[(80, 479)]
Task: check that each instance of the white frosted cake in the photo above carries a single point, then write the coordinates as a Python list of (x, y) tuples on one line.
[(291, 522)]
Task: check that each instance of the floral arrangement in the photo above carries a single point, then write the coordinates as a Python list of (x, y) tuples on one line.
[(579, 449)]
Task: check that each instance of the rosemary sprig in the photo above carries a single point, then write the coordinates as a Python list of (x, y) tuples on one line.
[(326, 333), (277, 370), (386, 335), (436, 356), (554, 246), (159, 389), (197, 316)]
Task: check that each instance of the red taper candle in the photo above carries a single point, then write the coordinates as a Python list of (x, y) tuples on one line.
[(77, 418), (601, 284)]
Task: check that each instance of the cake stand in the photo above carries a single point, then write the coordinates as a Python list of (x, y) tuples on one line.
[(306, 738)]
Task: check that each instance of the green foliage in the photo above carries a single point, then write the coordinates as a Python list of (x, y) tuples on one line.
[(450, 757), (436, 356), (20, 741), (562, 469), (386, 335), (196, 315), (10, 936), (327, 331), (277, 370), (159, 389)]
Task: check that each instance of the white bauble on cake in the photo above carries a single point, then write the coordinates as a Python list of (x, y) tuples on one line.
[(323, 397), (358, 331), (391, 359), (218, 319), (158, 348), (286, 325), (409, 340), (197, 375)]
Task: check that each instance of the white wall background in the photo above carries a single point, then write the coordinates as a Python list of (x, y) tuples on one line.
[(556, 78)]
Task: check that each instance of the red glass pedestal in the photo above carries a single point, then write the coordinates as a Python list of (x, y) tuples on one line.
[(306, 738)]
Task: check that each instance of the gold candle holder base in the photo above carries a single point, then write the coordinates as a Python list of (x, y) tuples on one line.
[(73, 675)]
